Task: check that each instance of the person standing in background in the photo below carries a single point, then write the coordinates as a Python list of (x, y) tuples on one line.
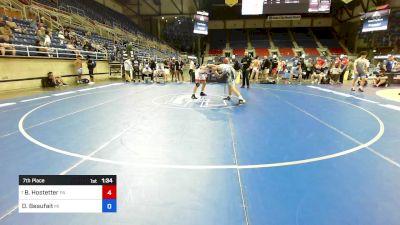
[(192, 68), (360, 68), (78, 68), (91, 64), (246, 62), (128, 68)]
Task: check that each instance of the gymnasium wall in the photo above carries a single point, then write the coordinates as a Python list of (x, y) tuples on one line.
[(18, 73)]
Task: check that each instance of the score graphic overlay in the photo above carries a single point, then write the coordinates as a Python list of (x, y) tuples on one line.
[(67, 193)]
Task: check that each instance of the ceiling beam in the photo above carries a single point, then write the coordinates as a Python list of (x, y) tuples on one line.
[(176, 6), (196, 5), (152, 7)]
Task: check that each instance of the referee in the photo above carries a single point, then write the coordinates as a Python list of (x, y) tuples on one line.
[(246, 62)]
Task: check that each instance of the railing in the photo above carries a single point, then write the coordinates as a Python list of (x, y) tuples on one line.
[(30, 51)]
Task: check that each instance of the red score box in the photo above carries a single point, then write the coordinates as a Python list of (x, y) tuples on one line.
[(109, 192)]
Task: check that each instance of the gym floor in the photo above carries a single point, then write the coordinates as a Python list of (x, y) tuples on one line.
[(293, 154)]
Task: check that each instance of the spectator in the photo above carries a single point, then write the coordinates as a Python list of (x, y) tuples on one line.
[(255, 67), (61, 37), (71, 47), (147, 71), (360, 71), (55, 80), (335, 73), (153, 65), (390, 64), (160, 72), (14, 26), (41, 50), (136, 69), (5, 40), (48, 24), (91, 64), (78, 68), (47, 39), (41, 35), (6, 33), (297, 72), (317, 74), (381, 79), (344, 62), (192, 68), (265, 67), (128, 68)]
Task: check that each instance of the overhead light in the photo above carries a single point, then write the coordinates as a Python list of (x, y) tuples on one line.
[(176, 17), (347, 1), (162, 17)]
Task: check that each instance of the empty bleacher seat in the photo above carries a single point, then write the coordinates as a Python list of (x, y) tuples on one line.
[(239, 51), (259, 38), (238, 39), (337, 51), (281, 38), (303, 38), (311, 52), (262, 52), (285, 52)]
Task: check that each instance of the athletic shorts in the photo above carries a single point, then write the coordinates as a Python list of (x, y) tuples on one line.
[(230, 81), (201, 77), (255, 69), (147, 71), (355, 76), (79, 71), (274, 70), (286, 75)]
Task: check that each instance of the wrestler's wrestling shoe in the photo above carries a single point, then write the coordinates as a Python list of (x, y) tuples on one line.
[(194, 96), (242, 101), (228, 98), (202, 94)]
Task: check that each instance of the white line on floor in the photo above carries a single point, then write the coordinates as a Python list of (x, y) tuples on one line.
[(7, 104), (235, 160), (96, 151), (9, 212), (86, 89), (391, 161), (390, 106), (64, 93), (342, 94), (33, 99)]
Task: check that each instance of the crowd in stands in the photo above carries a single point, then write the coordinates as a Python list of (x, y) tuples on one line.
[(45, 39)]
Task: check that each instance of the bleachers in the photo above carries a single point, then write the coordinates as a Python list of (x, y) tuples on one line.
[(286, 52), (303, 38), (311, 52), (239, 51), (337, 51), (238, 39), (259, 39), (215, 52), (281, 38), (327, 39), (262, 51), (217, 42)]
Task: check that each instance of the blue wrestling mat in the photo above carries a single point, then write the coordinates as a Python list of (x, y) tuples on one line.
[(294, 154)]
